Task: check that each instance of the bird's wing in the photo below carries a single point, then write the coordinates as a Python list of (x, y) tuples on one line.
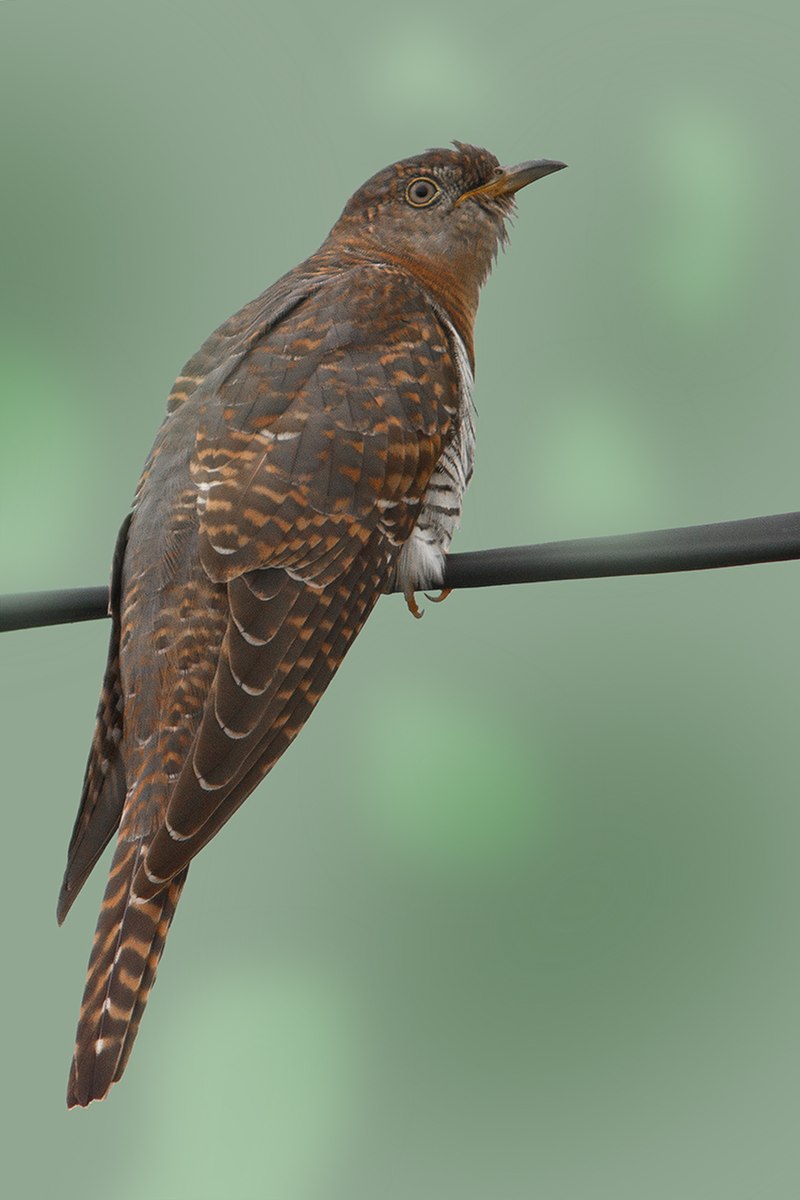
[(104, 785), (310, 464)]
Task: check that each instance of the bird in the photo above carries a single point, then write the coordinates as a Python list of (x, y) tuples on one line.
[(313, 457)]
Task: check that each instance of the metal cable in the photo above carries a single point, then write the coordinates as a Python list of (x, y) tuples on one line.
[(692, 548)]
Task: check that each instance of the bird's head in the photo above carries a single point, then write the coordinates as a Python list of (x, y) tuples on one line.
[(439, 213)]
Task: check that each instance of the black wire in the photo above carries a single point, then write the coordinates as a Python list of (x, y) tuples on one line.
[(693, 548), (31, 610)]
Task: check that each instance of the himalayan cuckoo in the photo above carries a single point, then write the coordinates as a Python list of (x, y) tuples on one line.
[(314, 456)]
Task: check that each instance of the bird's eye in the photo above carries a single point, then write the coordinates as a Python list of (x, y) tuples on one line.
[(422, 192)]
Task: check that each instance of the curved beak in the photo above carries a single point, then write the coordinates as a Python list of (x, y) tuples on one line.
[(509, 180)]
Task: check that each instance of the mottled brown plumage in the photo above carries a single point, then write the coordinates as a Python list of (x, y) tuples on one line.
[(314, 455)]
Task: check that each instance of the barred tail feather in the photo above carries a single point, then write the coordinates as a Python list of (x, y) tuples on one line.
[(128, 943)]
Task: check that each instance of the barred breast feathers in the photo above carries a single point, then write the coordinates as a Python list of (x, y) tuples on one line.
[(421, 561)]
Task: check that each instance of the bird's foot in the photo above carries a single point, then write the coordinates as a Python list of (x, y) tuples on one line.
[(414, 608)]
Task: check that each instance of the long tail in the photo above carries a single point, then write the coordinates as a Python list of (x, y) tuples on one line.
[(128, 943)]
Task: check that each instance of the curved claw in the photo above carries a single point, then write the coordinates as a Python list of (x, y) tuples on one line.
[(443, 594), (413, 607)]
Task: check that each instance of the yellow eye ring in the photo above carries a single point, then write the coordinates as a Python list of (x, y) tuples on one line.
[(422, 191)]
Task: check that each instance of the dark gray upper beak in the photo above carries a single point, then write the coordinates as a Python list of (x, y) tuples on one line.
[(514, 178), (508, 180)]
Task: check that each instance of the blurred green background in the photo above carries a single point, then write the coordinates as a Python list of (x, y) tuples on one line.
[(519, 915)]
